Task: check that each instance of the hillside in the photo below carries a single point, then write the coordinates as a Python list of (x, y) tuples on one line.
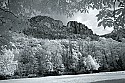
[(116, 35), (50, 48), (46, 27)]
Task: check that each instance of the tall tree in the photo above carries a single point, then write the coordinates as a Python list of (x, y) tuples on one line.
[(7, 63)]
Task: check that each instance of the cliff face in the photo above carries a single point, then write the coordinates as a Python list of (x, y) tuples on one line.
[(46, 27), (79, 28)]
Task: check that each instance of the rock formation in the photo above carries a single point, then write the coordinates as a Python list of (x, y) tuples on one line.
[(78, 28), (46, 27)]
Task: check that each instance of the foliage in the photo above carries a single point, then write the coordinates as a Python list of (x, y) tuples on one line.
[(69, 7), (43, 56), (27, 62), (112, 17), (14, 14), (111, 13), (91, 63), (38, 56), (7, 63)]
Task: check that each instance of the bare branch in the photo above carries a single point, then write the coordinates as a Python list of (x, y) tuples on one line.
[(9, 12)]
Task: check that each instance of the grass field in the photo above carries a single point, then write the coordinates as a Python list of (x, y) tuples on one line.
[(111, 81), (112, 77)]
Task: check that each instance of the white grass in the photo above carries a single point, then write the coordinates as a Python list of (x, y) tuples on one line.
[(82, 78)]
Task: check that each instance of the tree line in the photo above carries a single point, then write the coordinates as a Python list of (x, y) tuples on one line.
[(41, 57)]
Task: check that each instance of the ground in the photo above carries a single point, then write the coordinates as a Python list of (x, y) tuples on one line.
[(112, 77)]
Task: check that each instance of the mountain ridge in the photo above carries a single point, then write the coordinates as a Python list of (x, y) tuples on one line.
[(50, 28)]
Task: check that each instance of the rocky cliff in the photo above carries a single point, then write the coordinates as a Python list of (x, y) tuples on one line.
[(79, 28), (46, 27)]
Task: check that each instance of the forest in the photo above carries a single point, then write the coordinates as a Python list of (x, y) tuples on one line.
[(42, 46)]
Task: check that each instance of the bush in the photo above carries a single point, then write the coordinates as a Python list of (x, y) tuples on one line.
[(32, 75), (51, 73), (2, 77)]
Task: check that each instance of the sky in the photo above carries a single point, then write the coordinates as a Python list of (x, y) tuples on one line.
[(89, 19)]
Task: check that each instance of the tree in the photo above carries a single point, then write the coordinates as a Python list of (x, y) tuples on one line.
[(111, 13), (7, 63), (112, 17), (91, 63), (28, 63), (110, 52)]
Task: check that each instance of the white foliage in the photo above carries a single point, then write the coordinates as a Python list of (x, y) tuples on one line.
[(91, 63), (7, 65)]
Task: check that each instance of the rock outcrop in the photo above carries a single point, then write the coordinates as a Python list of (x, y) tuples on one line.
[(46, 27), (78, 28)]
